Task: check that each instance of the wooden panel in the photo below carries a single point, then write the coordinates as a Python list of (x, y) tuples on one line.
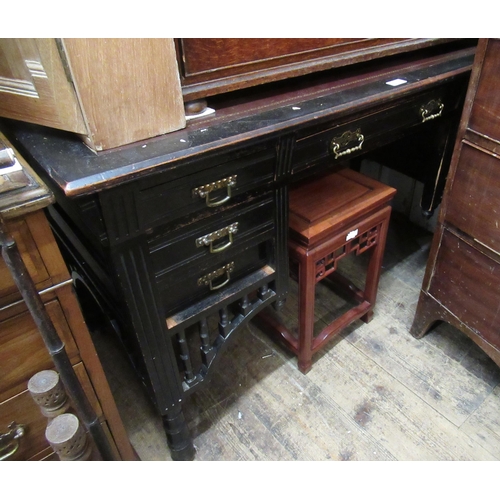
[(138, 95), (23, 352), (473, 204), (485, 114), (213, 65), (31, 258), (467, 283), (34, 86), (23, 410)]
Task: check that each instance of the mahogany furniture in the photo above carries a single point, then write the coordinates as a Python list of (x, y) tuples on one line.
[(462, 280), (182, 239), (331, 217), (22, 351), (210, 66)]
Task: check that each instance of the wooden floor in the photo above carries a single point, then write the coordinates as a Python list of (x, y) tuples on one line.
[(375, 393)]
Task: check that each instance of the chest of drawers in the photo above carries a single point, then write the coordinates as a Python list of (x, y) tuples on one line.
[(462, 281), (22, 349)]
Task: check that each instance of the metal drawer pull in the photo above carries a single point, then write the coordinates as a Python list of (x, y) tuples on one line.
[(433, 109), (208, 278), (209, 239), (344, 140), (9, 442), (204, 191)]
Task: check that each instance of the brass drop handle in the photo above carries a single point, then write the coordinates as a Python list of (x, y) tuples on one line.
[(10, 441), (205, 190), (208, 278), (345, 140), (433, 109), (209, 239)]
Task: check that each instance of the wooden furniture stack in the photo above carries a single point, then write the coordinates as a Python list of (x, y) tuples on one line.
[(331, 217), (462, 280), (183, 238), (143, 83), (22, 350)]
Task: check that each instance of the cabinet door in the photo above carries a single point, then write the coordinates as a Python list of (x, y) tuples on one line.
[(34, 86)]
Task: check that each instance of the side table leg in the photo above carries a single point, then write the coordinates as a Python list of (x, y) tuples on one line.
[(307, 288), (178, 435)]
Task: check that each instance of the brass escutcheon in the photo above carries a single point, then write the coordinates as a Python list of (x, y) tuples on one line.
[(433, 109), (344, 140)]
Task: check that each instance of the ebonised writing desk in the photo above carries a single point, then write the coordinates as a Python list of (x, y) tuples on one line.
[(182, 239)]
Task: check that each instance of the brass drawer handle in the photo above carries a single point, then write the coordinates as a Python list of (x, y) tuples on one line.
[(208, 278), (344, 140), (209, 239), (205, 190), (10, 441), (433, 109)]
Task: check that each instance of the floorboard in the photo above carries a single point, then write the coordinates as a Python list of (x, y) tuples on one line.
[(374, 393)]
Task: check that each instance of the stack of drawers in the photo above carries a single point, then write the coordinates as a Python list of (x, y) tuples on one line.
[(210, 228), (22, 349)]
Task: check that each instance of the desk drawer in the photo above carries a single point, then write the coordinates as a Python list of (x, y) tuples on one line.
[(467, 283), (216, 235), (208, 189), (334, 142), (202, 277)]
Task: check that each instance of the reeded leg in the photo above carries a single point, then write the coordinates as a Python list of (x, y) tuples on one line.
[(178, 436)]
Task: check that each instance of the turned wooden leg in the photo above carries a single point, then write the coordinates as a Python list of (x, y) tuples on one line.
[(307, 285), (178, 435)]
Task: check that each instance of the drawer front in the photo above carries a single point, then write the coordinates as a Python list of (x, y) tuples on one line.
[(473, 203), (206, 190), (203, 277), (22, 410), (333, 142), (32, 259), (23, 352), (486, 106), (467, 282), (213, 237)]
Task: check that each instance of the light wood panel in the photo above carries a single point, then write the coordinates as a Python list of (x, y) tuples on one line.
[(129, 88), (110, 91)]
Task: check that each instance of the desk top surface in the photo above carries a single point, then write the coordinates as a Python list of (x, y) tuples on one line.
[(77, 170)]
